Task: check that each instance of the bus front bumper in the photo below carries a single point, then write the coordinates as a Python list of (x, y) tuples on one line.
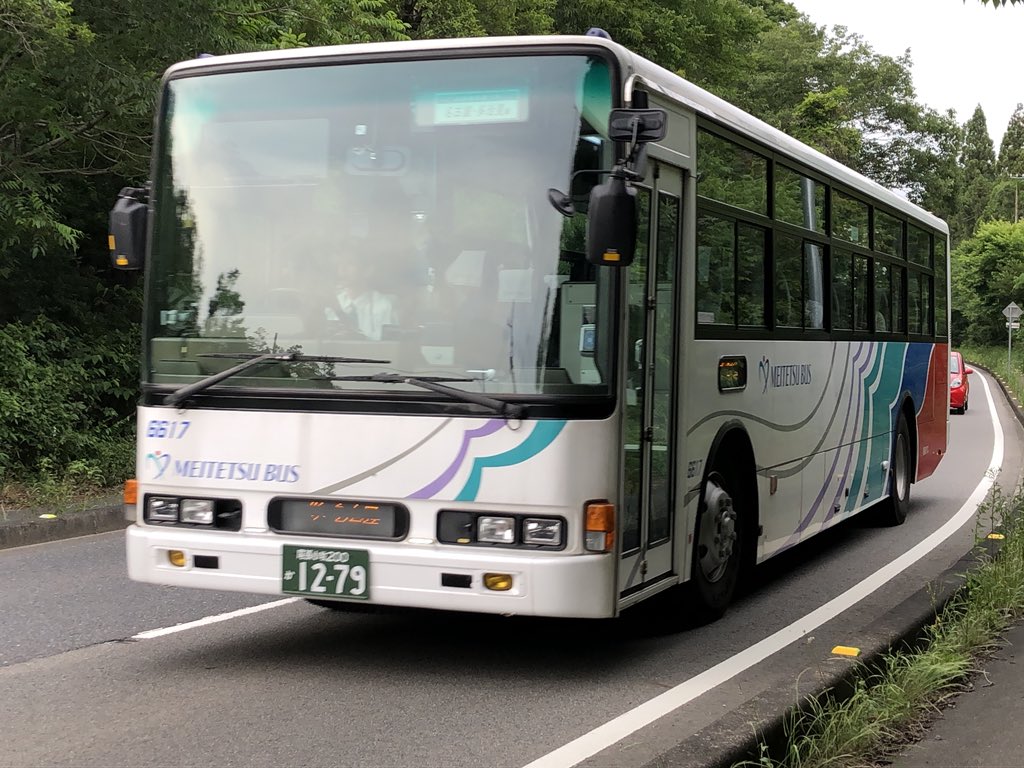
[(401, 574)]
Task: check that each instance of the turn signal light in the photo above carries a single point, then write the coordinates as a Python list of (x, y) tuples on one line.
[(498, 582), (131, 498), (176, 558), (600, 527)]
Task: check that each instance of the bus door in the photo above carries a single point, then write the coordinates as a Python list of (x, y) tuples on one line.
[(650, 398)]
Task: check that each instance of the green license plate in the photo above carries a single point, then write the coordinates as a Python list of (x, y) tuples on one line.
[(320, 572)]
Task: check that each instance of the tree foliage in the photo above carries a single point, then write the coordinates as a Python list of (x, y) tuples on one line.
[(987, 273), (79, 80), (978, 161)]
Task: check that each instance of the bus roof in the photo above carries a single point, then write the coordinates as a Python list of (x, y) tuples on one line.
[(655, 77)]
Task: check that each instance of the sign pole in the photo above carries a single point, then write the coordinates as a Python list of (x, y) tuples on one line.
[(1012, 313)]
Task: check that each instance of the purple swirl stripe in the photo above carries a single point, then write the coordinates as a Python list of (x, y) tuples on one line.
[(435, 486)]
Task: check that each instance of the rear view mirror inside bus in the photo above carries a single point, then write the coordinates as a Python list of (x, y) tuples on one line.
[(611, 224), (638, 125)]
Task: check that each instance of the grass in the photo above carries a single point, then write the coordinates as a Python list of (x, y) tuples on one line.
[(889, 705), (53, 494), (995, 359)]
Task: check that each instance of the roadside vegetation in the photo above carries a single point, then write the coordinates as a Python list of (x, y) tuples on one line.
[(892, 701), (1009, 368)]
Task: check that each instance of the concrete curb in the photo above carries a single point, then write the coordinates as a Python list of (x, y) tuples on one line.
[(109, 517)]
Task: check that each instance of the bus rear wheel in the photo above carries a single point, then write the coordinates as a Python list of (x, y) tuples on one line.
[(893, 511), (718, 544)]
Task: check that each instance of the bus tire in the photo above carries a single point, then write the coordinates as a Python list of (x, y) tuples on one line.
[(893, 510), (718, 543)]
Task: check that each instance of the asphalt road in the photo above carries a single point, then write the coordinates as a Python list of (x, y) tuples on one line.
[(296, 685)]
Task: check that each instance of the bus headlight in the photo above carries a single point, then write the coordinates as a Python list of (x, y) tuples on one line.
[(197, 511), (496, 530), (543, 532), (162, 508)]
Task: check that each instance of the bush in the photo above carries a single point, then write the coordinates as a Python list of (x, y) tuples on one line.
[(65, 404)]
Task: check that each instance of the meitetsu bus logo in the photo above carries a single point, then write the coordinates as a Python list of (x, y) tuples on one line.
[(239, 471), (786, 375), (159, 462)]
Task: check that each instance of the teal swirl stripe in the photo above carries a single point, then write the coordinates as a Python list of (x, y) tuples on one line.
[(543, 434)]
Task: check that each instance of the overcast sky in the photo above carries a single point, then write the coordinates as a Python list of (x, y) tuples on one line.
[(964, 53)]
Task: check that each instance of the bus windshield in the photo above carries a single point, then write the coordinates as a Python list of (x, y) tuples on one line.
[(393, 211)]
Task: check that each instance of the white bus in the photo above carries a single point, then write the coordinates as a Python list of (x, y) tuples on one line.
[(511, 325)]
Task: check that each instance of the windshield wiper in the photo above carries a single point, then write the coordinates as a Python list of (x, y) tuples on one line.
[(254, 361), (433, 383), (297, 357)]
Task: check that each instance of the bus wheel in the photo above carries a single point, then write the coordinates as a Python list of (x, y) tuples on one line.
[(718, 546), (893, 511)]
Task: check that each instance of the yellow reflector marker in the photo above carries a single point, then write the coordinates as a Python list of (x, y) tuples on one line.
[(997, 536), (47, 516), (176, 558), (498, 582), (110, 243), (846, 650)]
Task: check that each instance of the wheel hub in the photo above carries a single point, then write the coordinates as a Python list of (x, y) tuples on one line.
[(717, 531)]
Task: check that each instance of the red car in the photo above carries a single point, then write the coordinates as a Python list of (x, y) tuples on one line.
[(959, 385)]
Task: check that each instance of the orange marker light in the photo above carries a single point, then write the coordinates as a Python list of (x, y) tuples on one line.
[(131, 491), (600, 527)]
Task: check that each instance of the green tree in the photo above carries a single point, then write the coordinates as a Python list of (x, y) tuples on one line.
[(831, 90), (987, 274), (977, 159), (1011, 149), (1004, 200), (79, 83), (429, 19), (704, 40)]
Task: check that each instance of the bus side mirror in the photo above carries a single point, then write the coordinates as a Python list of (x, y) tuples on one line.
[(127, 232), (611, 224)]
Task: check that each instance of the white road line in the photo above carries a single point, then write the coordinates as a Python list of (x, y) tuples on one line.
[(604, 736), (149, 634)]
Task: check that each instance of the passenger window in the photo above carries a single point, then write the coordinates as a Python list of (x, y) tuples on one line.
[(899, 320), (860, 293), (750, 285), (849, 219), (716, 271), (788, 289), (883, 297), (732, 174), (920, 246), (842, 291), (888, 234), (799, 200)]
